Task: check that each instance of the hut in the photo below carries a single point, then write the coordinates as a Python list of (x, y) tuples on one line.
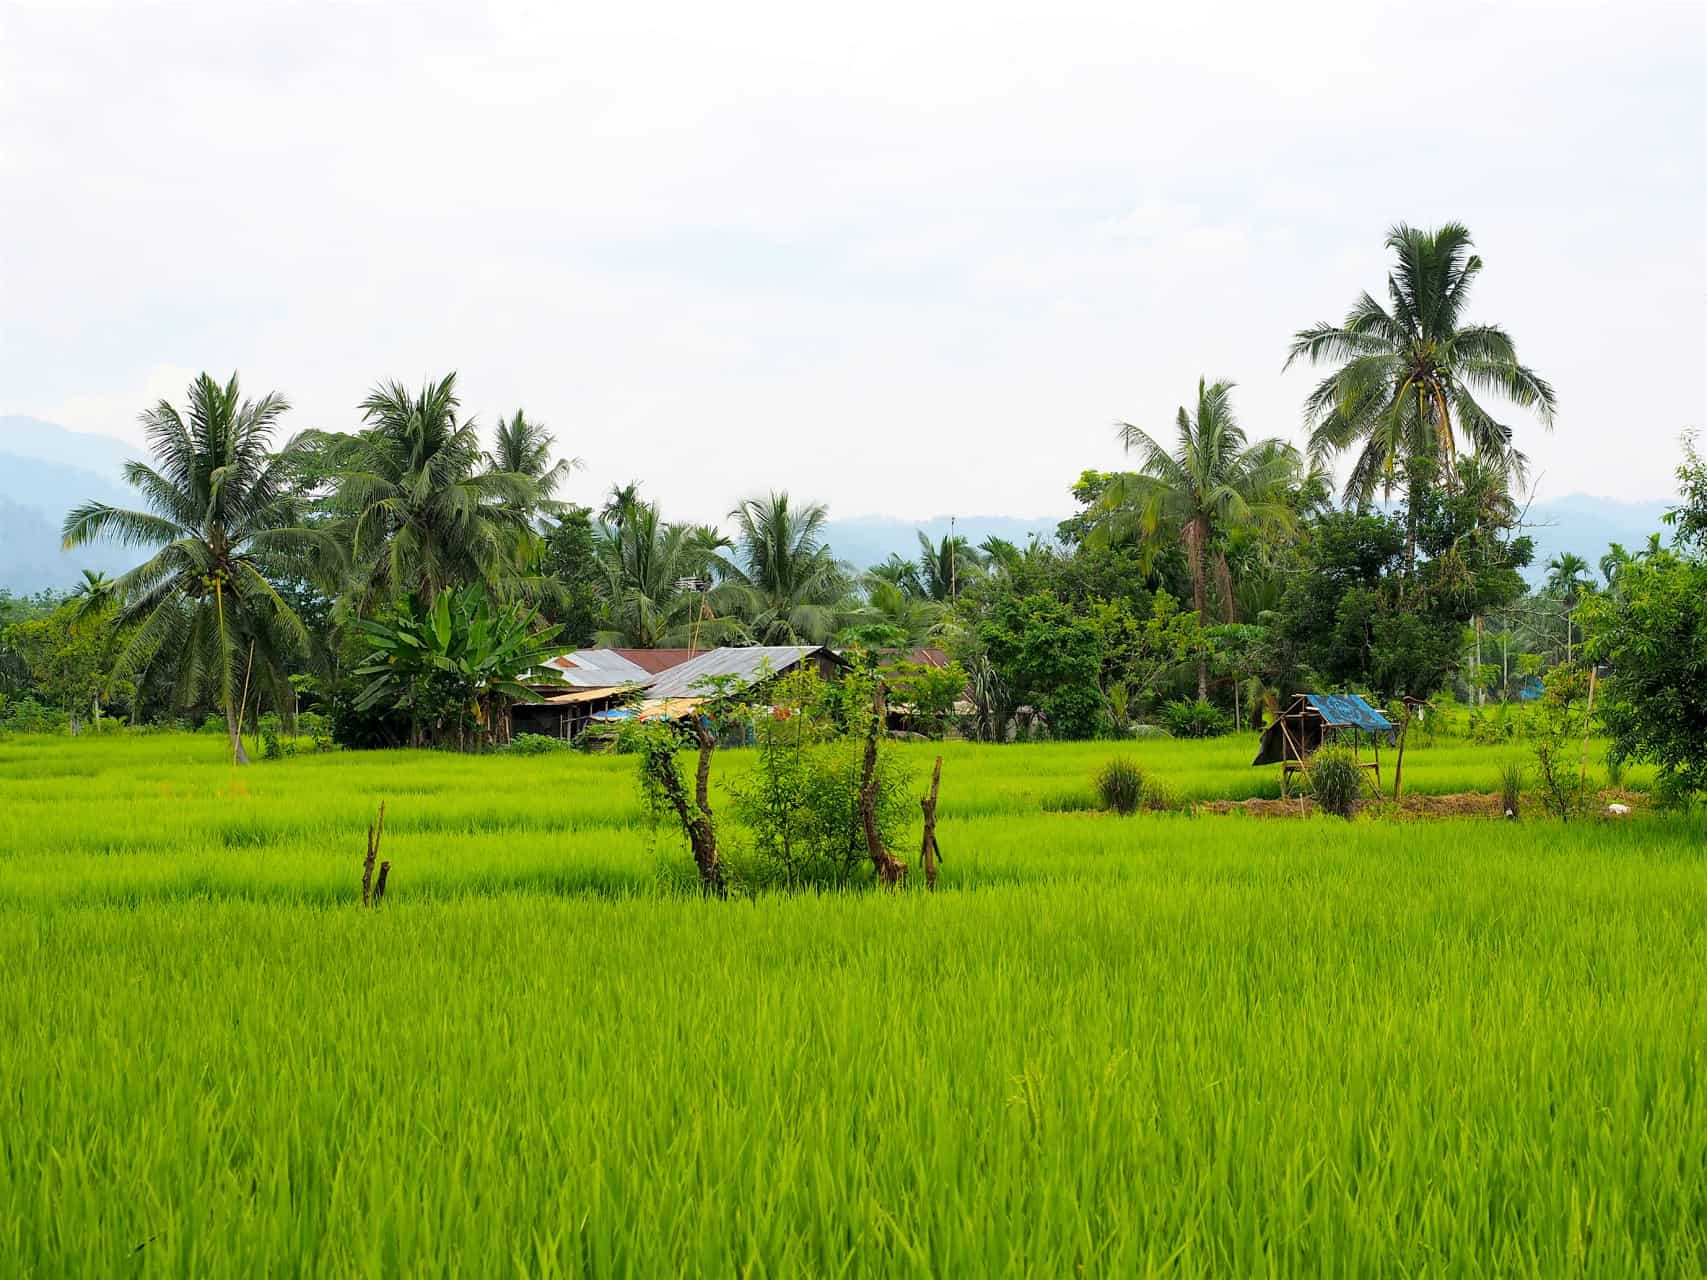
[(1312, 719)]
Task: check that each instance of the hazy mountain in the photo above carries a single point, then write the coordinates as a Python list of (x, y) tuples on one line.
[(44, 442), (866, 540), (45, 471), (1588, 525)]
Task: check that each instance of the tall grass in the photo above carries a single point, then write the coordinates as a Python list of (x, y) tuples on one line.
[(1219, 1046)]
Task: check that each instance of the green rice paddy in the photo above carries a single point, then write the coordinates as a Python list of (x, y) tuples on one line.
[(1164, 1045)]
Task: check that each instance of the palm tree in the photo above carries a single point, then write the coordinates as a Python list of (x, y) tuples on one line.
[(945, 565), (1407, 378), (891, 617), (1568, 578), (220, 512), (524, 448), (784, 582), (657, 576), (421, 511), (1213, 483)]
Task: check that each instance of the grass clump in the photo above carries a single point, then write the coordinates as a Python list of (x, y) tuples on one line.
[(1120, 785), (1337, 780), (1511, 788)]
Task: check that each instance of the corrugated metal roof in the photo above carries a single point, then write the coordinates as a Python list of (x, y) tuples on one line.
[(751, 664), (598, 669), (1342, 709), (656, 661)]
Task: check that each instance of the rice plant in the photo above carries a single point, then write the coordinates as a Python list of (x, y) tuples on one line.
[(1336, 780)]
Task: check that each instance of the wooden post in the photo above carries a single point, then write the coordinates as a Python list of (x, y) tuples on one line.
[(374, 832), (379, 885), (929, 854)]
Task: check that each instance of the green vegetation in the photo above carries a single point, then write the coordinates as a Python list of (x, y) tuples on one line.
[(1155, 1043)]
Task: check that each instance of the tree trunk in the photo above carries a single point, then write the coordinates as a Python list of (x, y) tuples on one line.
[(929, 854), (1196, 536), (890, 869), (703, 835)]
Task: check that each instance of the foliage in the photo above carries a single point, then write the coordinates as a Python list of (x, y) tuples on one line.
[(1141, 655), (929, 693), (1336, 780), (1653, 634), (416, 503), (1213, 483), (569, 561), (67, 655), (1408, 373), (1199, 719), (800, 801), (225, 521), (452, 668), (656, 578), (783, 583), (1043, 654), (1557, 738)]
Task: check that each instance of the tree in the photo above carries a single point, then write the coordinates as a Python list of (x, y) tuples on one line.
[(889, 618), (455, 666), (1408, 374), (1568, 580), (1042, 653), (420, 510), (657, 575), (220, 514), (1652, 633), (569, 559), (1214, 482), (523, 448), (946, 566), (783, 581), (68, 654)]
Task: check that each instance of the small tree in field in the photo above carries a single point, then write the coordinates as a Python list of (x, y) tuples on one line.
[(1557, 729)]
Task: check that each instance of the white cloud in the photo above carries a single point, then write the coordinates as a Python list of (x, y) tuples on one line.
[(905, 259)]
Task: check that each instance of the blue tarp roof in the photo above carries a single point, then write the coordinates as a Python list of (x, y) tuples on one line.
[(1340, 709)]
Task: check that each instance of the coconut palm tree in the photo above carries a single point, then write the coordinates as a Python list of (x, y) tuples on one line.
[(1407, 374), (1214, 482), (657, 579), (523, 448), (1568, 578), (219, 513), (783, 581), (946, 566), (419, 509)]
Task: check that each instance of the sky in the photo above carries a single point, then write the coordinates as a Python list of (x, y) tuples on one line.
[(907, 259)]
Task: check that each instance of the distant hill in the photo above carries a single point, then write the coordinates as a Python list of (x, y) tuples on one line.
[(867, 540), (45, 471), (1587, 526)]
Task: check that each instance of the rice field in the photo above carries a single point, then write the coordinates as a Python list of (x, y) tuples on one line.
[(1164, 1045)]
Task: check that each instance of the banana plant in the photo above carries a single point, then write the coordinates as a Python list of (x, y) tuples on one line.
[(455, 666)]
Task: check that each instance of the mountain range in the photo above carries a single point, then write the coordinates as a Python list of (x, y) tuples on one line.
[(46, 469)]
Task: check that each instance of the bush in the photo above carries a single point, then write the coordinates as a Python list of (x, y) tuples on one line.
[(533, 744), (1511, 788), (1337, 781), (1200, 719), (1120, 784)]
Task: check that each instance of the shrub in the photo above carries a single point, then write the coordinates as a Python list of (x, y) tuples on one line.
[(1150, 731), (534, 744), (1200, 719), (1511, 788), (1337, 780), (1120, 784)]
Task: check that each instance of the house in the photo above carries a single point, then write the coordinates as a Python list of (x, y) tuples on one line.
[(610, 684)]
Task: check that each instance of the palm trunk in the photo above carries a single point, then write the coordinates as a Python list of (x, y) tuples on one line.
[(1195, 538)]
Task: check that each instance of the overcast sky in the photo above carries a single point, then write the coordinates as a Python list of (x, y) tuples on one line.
[(909, 259)]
